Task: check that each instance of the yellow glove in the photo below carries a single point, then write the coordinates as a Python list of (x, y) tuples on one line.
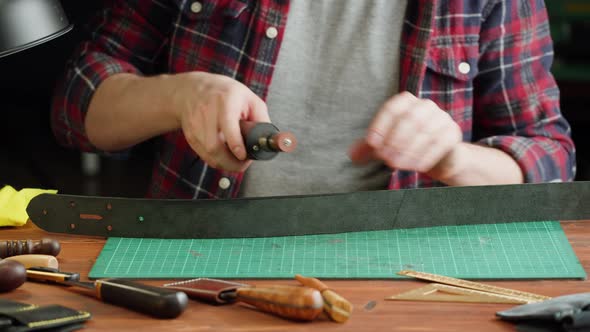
[(13, 204)]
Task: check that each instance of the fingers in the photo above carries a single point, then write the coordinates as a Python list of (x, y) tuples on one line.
[(211, 122), (442, 141), (243, 105), (210, 145), (361, 153), (229, 125), (387, 117), (410, 133), (258, 109)]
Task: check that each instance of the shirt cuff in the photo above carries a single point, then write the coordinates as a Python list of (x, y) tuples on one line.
[(540, 159), (85, 77)]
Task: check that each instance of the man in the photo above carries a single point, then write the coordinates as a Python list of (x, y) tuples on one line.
[(441, 92)]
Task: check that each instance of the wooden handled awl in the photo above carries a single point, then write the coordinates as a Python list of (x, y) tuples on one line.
[(264, 140), (12, 275), (335, 306), (24, 247), (299, 303), (292, 302)]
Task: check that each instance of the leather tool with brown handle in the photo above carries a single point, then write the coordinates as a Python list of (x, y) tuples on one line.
[(335, 306), (13, 269), (292, 302), (12, 275), (25, 247)]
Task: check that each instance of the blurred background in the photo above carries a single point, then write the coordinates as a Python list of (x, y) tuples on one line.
[(30, 157), (570, 28)]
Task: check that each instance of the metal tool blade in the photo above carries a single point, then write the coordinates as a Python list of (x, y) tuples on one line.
[(83, 284)]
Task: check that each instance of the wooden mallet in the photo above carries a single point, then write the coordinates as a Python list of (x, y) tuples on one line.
[(335, 306)]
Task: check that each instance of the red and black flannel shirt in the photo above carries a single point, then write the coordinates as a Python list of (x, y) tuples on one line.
[(486, 62)]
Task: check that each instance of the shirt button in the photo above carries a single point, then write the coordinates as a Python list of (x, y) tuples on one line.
[(464, 68), (196, 7), (272, 32), (224, 183)]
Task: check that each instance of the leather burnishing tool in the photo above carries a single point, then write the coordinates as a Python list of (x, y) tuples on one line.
[(335, 306), (155, 301), (35, 260), (12, 275), (24, 247), (292, 302), (13, 269), (264, 140)]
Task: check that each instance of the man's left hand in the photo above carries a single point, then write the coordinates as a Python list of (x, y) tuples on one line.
[(409, 133)]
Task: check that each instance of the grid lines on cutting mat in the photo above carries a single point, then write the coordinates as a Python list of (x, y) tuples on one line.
[(527, 250)]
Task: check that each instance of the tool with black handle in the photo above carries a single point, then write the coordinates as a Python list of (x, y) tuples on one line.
[(155, 301), (264, 140)]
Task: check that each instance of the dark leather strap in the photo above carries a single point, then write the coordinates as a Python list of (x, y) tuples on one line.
[(19, 317), (208, 290), (314, 214)]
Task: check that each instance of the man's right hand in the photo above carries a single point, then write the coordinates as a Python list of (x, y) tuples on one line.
[(128, 109), (209, 108)]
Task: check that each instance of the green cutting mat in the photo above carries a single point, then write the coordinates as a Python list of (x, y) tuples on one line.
[(498, 251)]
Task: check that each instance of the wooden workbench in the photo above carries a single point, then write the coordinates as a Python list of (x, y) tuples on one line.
[(371, 312)]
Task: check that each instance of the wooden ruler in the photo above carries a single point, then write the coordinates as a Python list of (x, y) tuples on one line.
[(446, 293), (462, 289)]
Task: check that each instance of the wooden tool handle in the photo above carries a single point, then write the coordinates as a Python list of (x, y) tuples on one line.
[(42, 274), (12, 275), (23, 247), (311, 282), (335, 306), (292, 302), (35, 261)]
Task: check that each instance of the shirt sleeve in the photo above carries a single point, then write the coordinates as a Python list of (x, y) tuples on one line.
[(516, 106), (125, 37)]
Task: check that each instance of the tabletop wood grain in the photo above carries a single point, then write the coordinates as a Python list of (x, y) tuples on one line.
[(371, 311)]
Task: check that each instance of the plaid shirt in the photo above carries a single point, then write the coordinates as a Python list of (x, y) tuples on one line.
[(486, 62)]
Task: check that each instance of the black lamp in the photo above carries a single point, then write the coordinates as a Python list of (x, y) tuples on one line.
[(28, 23)]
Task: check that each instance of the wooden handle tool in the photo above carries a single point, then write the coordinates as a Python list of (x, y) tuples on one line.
[(292, 302), (24, 247), (35, 261), (335, 306), (297, 303), (12, 275)]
